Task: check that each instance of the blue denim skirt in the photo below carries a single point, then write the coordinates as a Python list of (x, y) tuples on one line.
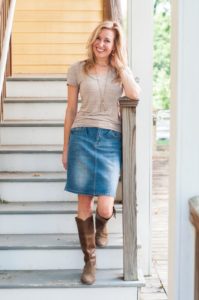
[(94, 161)]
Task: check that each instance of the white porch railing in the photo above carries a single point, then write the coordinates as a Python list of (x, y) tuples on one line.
[(7, 8)]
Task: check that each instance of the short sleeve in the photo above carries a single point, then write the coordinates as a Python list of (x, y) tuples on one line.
[(72, 74)]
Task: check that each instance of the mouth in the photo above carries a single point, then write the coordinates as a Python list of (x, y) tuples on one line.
[(99, 50)]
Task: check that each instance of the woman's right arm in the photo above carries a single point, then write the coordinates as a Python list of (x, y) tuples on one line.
[(70, 114)]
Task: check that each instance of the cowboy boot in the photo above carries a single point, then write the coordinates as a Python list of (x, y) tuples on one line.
[(87, 241), (101, 235)]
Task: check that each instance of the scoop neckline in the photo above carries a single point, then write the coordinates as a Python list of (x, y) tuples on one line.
[(99, 75)]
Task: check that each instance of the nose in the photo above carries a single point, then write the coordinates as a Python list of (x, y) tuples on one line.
[(101, 43)]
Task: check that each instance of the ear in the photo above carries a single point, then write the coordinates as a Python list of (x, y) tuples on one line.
[(113, 52)]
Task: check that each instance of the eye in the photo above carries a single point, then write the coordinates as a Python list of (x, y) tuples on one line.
[(107, 41)]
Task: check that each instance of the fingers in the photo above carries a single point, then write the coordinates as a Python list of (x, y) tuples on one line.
[(65, 165), (64, 162)]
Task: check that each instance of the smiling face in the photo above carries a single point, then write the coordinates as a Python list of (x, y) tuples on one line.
[(104, 44)]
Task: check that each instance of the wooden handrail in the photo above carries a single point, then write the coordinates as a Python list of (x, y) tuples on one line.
[(6, 19), (194, 218), (128, 114)]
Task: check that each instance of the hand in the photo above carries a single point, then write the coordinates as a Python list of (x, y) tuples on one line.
[(116, 63), (65, 158)]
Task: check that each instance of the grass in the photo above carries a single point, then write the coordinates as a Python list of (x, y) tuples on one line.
[(162, 142)]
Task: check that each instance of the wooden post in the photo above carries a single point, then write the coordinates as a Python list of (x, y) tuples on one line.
[(112, 10), (194, 218), (128, 113), (197, 267), (4, 11)]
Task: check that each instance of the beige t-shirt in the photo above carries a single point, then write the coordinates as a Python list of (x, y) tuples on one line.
[(99, 95)]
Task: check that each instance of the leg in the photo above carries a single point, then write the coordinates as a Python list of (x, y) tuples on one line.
[(85, 206), (105, 206), (104, 212), (86, 232)]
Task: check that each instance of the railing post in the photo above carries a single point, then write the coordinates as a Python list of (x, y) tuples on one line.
[(128, 114), (194, 218), (7, 8)]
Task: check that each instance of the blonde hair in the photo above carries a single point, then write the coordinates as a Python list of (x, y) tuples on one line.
[(119, 49)]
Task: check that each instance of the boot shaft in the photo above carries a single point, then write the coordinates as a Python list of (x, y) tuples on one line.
[(87, 237)]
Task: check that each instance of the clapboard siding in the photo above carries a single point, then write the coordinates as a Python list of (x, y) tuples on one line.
[(60, 16), (41, 69), (48, 36), (44, 49), (55, 59), (54, 27), (59, 5)]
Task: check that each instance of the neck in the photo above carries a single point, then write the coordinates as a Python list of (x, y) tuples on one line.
[(102, 63)]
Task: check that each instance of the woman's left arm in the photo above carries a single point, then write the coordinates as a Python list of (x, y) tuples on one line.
[(131, 88)]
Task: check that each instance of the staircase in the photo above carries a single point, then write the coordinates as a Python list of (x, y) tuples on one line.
[(40, 255)]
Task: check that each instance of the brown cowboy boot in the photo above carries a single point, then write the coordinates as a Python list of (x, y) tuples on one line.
[(101, 235), (87, 241)]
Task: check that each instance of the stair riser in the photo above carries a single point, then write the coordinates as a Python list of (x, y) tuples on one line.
[(33, 162), (57, 259), (38, 191), (88, 293), (36, 89), (34, 191), (36, 135), (48, 223), (34, 111)]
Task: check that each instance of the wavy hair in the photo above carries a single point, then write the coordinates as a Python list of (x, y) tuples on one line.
[(119, 49)]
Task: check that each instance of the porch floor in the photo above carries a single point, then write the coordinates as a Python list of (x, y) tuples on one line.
[(156, 285)]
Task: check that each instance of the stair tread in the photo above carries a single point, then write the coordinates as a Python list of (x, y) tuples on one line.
[(66, 207), (32, 123), (30, 99), (32, 176), (57, 100), (50, 241), (64, 279), (43, 77), (30, 148)]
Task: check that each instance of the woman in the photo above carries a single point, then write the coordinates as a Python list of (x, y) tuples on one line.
[(92, 137)]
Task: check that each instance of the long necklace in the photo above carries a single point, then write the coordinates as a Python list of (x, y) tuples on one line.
[(102, 93)]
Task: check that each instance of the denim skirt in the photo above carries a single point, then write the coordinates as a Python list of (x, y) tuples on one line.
[(94, 161)]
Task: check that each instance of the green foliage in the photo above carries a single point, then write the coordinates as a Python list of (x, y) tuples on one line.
[(161, 66)]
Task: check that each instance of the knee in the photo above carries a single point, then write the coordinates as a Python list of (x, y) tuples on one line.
[(105, 211)]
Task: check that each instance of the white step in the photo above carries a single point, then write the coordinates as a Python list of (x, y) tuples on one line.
[(36, 186), (54, 251), (65, 284), (36, 87), (34, 109), (31, 158), (31, 132), (46, 218)]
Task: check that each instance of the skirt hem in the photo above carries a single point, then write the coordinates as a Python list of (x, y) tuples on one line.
[(89, 194)]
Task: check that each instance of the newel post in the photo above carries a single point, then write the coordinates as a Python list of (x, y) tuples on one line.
[(128, 113), (194, 218)]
